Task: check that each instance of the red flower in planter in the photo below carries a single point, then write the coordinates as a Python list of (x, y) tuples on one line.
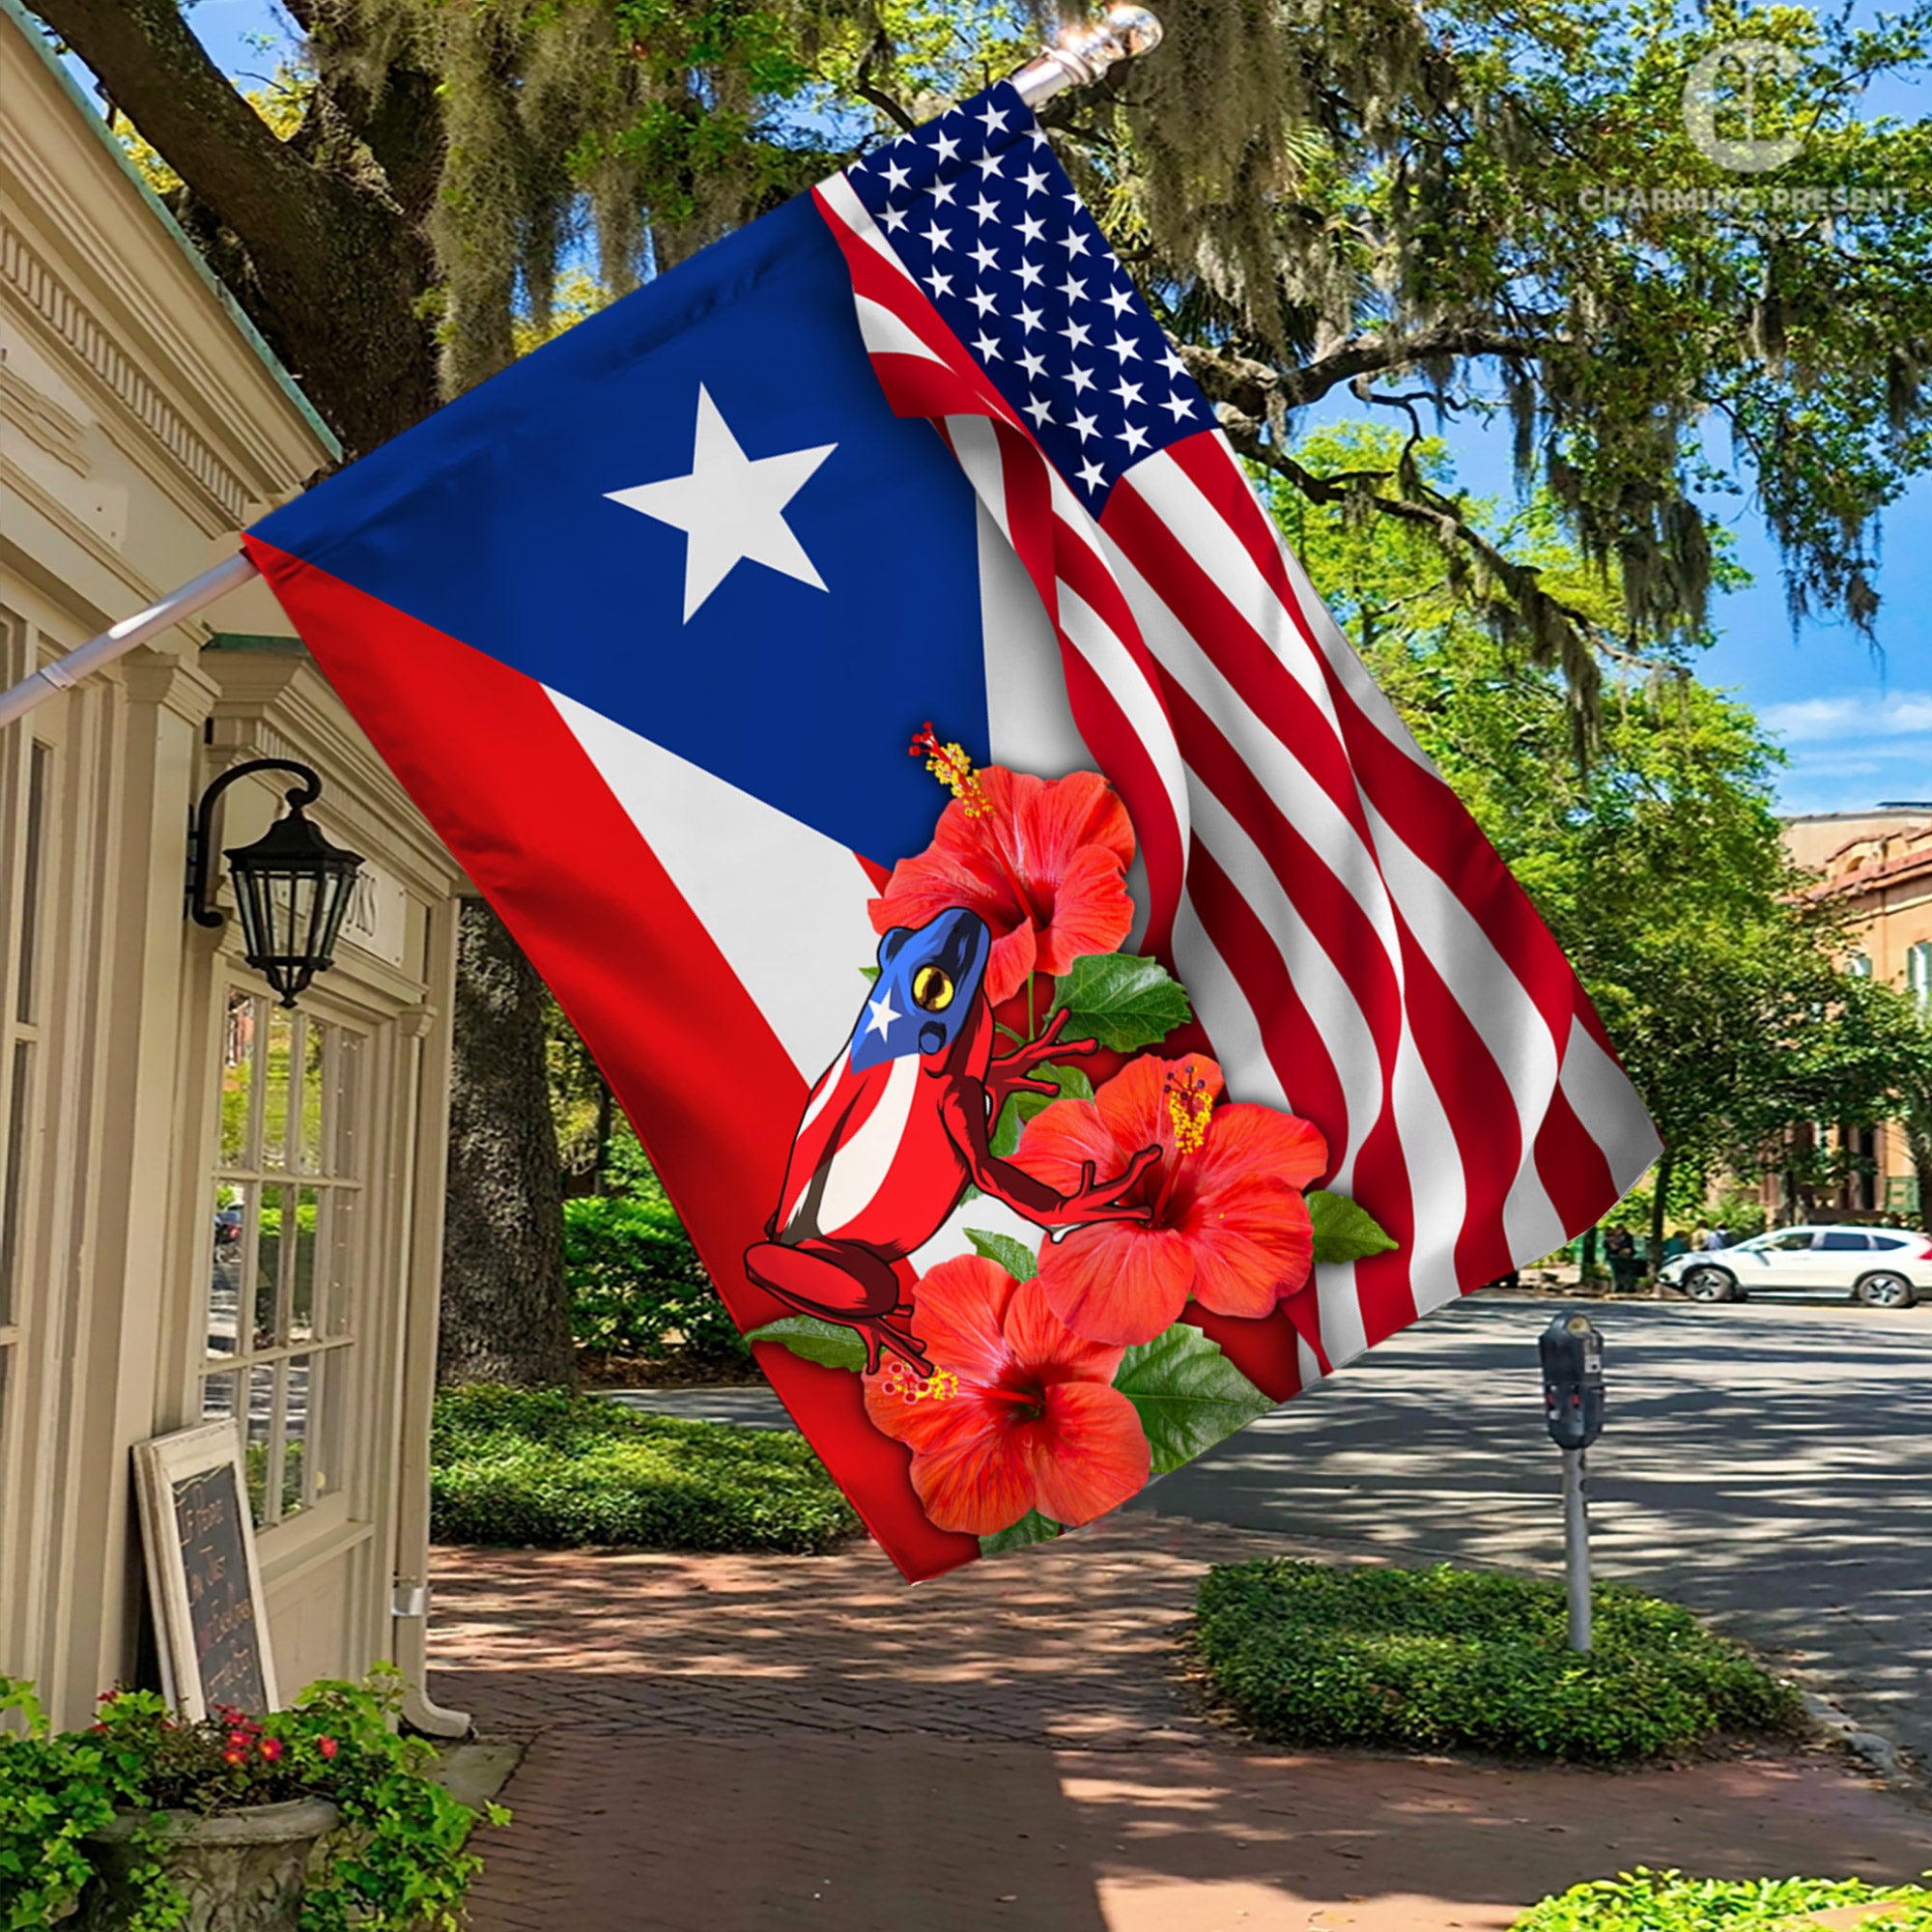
[(1018, 1414), (1230, 1224), (1041, 861), (272, 1749), (327, 1746)]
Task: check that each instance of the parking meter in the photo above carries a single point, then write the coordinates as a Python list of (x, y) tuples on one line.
[(1573, 1380)]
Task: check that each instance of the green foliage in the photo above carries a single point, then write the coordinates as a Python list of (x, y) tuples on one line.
[(1073, 1085), (638, 1288), (1123, 1001), (830, 1344), (1013, 1254), (1188, 1395), (397, 1865), (1030, 1529), (1653, 1901), (1308, 1654), (545, 1468), (1344, 1229)]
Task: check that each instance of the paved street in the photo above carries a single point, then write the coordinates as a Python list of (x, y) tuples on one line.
[(1769, 1464)]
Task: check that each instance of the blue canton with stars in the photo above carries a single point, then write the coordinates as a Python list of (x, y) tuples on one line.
[(987, 223)]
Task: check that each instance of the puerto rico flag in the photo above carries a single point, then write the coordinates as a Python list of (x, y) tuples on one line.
[(645, 625)]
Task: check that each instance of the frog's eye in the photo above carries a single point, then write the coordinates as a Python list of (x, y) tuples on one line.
[(932, 989)]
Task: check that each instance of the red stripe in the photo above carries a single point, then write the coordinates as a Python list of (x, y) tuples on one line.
[(482, 750), (1433, 821)]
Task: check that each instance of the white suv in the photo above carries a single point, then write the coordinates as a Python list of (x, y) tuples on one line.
[(1882, 1267)]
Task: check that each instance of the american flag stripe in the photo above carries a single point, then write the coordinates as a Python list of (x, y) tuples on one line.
[(1356, 949)]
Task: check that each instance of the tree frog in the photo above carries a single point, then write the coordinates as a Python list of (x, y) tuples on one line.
[(898, 1124)]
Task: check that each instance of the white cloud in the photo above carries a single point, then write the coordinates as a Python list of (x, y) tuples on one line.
[(1830, 719)]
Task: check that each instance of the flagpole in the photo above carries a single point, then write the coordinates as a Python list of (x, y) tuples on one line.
[(1078, 58), (1082, 54), (51, 679)]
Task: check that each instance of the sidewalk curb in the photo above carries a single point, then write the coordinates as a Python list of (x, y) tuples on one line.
[(1879, 1753)]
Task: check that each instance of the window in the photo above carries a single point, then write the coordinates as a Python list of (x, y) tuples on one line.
[(1918, 975), (1859, 966), (1840, 1241), (1889, 1241), (1789, 1242), (282, 1280), (19, 1049)]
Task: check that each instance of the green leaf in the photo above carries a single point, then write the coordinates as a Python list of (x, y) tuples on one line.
[(1033, 1528), (827, 1342), (1073, 1085), (1343, 1231), (1015, 1256), (870, 972), (1121, 1001), (1188, 1394)]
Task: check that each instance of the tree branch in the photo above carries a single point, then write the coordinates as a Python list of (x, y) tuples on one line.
[(1261, 392)]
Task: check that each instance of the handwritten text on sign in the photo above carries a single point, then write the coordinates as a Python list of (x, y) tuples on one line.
[(210, 1518)]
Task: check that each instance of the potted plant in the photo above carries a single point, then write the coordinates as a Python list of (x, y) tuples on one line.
[(312, 1819)]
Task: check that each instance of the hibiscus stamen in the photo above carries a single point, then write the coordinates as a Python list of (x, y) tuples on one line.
[(953, 769), (1189, 1102), (897, 1378)]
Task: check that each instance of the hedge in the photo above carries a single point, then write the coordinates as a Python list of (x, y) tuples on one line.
[(548, 1467), (1312, 1653)]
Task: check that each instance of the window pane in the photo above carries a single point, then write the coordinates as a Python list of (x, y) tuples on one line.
[(261, 1432), (1844, 1244), (302, 1293), (315, 1037), (346, 1159), (237, 1077), (217, 1398), (276, 1092), (327, 1398), (344, 1211), (276, 1225), (225, 1264), (298, 1396), (1791, 1241), (12, 1203)]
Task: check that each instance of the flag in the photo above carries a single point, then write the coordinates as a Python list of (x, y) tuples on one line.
[(643, 625)]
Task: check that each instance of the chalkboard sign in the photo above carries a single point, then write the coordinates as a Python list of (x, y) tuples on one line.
[(202, 1572)]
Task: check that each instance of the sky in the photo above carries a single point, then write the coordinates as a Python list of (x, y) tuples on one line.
[(1854, 718)]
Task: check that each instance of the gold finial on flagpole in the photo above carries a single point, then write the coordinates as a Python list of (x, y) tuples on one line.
[(1081, 55)]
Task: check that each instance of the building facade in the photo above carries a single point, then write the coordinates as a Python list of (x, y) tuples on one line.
[(211, 1206), (1881, 874)]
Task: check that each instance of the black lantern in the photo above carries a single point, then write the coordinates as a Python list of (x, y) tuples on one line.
[(292, 886)]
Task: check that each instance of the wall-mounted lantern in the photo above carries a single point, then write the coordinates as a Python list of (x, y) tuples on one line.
[(292, 887)]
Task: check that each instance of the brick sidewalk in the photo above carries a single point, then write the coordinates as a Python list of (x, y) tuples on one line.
[(735, 1744)]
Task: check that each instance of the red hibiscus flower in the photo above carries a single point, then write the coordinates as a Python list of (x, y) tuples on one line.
[(1017, 1413), (1041, 861), (1229, 1226)]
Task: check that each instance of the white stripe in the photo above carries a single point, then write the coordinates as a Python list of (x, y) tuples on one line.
[(862, 1164), (1600, 1092), (752, 875), (843, 200), (885, 335)]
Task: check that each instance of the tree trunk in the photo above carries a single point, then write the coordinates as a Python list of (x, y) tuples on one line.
[(1666, 1163), (505, 1318)]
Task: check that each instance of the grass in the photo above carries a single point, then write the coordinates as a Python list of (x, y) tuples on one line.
[(547, 1468), (1644, 1901), (1308, 1654)]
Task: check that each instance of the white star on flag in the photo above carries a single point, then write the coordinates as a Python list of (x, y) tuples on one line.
[(730, 507), (883, 1016)]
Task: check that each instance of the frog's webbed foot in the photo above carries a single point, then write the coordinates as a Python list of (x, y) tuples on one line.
[(842, 1283), (1006, 1074)]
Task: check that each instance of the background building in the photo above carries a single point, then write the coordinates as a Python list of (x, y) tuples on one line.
[(210, 1206), (1882, 871)]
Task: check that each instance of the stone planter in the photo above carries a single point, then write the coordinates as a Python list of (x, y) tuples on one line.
[(239, 1871)]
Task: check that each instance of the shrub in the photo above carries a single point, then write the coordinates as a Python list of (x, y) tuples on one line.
[(1646, 1901), (1308, 1654), (544, 1467), (637, 1288)]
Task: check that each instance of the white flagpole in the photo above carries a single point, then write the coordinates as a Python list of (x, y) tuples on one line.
[(53, 678), (1079, 57)]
